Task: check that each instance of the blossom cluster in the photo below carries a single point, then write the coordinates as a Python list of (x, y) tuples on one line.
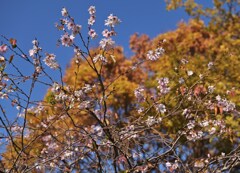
[(204, 129), (163, 85), (150, 121), (92, 11), (225, 104), (36, 49), (107, 42), (156, 54), (101, 58), (112, 20), (50, 61), (139, 94), (68, 39)]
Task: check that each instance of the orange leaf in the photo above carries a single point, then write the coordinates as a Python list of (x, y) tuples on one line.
[(13, 42)]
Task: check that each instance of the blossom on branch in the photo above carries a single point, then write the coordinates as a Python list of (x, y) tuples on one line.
[(112, 20), (67, 40), (3, 48), (50, 61), (156, 54), (92, 33), (64, 12), (106, 43)]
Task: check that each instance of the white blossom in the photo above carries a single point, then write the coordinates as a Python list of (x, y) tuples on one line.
[(2, 59), (76, 29), (181, 80), (168, 164), (64, 12), (106, 33), (163, 85), (161, 108), (112, 20), (156, 54), (189, 73), (218, 97), (50, 61), (184, 61), (67, 40), (210, 64), (212, 130), (211, 89), (92, 10), (150, 121), (191, 124), (91, 20), (106, 43), (92, 33), (139, 94), (101, 58)]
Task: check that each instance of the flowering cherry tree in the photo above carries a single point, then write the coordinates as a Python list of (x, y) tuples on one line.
[(160, 110)]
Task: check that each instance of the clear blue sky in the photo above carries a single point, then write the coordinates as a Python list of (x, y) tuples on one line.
[(25, 20)]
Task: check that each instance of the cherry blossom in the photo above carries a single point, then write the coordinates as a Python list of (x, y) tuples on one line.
[(91, 20), (92, 10), (106, 33), (163, 85), (156, 54), (76, 29), (189, 73), (50, 61), (161, 108), (139, 94), (92, 33), (181, 80), (3, 48), (106, 43), (101, 58), (210, 65), (112, 20), (67, 40), (64, 12), (2, 59)]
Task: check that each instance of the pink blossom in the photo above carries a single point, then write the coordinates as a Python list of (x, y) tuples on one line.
[(67, 40), (92, 10), (106, 33), (112, 20), (91, 20), (92, 33), (101, 58), (70, 25), (3, 48), (50, 61), (32, 52), (156, 54), (163, 85), (139, 94), (106, 43), (76, 29)]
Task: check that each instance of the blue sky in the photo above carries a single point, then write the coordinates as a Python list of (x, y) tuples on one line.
[(28, 19), (25, 20)]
